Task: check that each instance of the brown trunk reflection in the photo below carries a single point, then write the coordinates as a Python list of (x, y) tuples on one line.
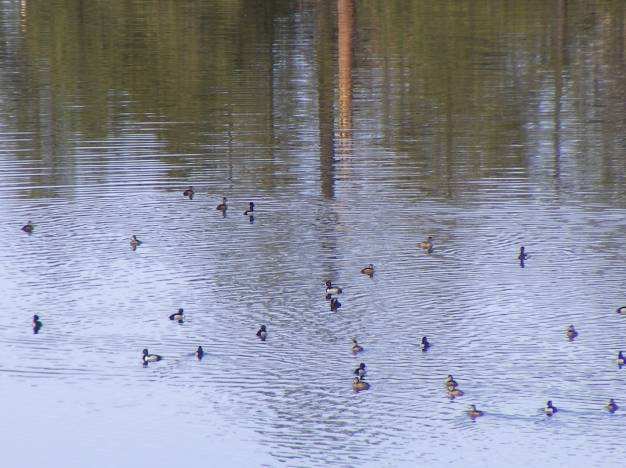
[(345, 22), (325, 87)]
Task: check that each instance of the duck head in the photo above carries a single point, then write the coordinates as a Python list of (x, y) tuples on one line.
[(145, 352), (36, 318), (620, 355)]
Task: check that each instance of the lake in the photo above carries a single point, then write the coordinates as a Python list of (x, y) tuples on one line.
[(358, 129)]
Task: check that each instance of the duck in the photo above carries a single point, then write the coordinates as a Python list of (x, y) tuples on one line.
[(250, 210), (428, 244), (550, 409), (571, 332), (356, 347), (450, 382), (424, 344), (177, 316), (262, 333), (334, 304), (359, 384), (134, 242), (621, 310), (522, 254), (199, 352), (361, 370), (474, 413), (222, 206), (611, 406), (330, 289), (620, 358), (454, 392), (28, 227), (36, 324), (368, 270), (189, 192), (147, 357)]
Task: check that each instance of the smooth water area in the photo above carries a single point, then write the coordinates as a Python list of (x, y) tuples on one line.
[(358, 129)]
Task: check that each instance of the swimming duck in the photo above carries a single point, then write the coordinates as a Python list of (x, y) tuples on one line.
[(28, 227), (134, 242), (250, 210), (356, 348), (571, 332), (199, 352), (473, 412), (189, 192), (620, 358), (36, 324), (621, 310), (334, 304), (522, 254), (150, 357), (359, 384), (611, 406), (361, 370), (262, 333), (177, 316), (550, 409), (428, 244), (222, 206), (368, 270), (330, 289), (454, 392), (450, 382), (424, 344)]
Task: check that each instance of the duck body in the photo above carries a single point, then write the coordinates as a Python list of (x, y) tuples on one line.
[(359, 384), (189, 192), (356, 348), (134, 242), (360, 371), (368, 270), (250, 210), (571, 332), (330, 289), (262, 333), (199, 352), (427, 245), (621, 360), (28, 227), (621, 310), (222, 206), (522, 254), (424, 344), (611, 406), (36, 324), (454, 392), (334, 304), (474, 413), (147, 357), (550, 409), (178, 316)]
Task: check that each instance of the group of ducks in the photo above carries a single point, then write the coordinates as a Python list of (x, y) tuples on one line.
[(189, 192), (358, 383)]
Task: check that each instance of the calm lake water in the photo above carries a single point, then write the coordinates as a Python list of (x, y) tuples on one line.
[(358, 129)]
